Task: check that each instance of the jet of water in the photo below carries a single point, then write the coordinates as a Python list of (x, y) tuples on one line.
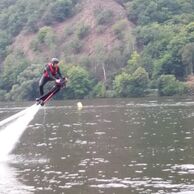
[(11, 118), (10, 135), (9, 182)]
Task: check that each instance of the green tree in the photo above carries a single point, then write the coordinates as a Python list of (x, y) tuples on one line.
[(26, 85), (144, 12), (62, 9), (168, 86), (164, 28), (45, 34), (121, 83), (119, 28), (2, 95), (82, 31), (99, 90), (79, 84), (140, 82), (76, 45), (103, 16), (131, 85), (4, 42), (14, 64), (133, 62), (187, 54)]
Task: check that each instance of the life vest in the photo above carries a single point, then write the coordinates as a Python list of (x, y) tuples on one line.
[(52, 70)]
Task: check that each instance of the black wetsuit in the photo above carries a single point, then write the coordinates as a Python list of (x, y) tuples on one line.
[(44, 79)]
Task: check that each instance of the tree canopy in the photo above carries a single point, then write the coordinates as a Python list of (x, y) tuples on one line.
[(159, 50)]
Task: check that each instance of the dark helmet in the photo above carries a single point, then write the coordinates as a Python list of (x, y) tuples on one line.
[(55, 60)]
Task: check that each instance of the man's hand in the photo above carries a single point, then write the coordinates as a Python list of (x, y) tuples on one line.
[(58, 81)]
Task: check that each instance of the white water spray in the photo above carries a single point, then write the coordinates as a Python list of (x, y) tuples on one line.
[(11, 118), (17, 124)]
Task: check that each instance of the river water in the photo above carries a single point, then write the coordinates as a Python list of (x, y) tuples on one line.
[(121, 146)]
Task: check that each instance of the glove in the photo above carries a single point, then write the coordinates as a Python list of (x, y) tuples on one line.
[(58, 81)]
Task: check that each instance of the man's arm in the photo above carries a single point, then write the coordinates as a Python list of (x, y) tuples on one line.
[(59, 74)]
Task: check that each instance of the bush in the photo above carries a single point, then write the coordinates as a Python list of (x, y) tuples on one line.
[(79, 85), (135, 85), (34, 45), (82, 31), (45, 34), (68, 31), (169, 86), (26, 85), (103, 16), (22, 91), (120, 84), (2, 95), (4, 42), (119, 28), (45, 37), (61, 9), (13, 65), (58, 10), (139, 82), (99, 90), (76, 45)]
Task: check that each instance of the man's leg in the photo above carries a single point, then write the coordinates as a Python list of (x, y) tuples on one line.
[(42, 82)]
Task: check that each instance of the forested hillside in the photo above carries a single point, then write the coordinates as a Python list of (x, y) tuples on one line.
[(107, 48)]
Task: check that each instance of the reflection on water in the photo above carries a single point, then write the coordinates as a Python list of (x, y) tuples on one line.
[(131, 146)]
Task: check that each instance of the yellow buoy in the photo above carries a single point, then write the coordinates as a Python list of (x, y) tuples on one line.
[(79, 105)]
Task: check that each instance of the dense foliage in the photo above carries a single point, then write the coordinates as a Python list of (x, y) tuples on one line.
[(168, 85), (18, 15), (165, 34), (161, 58), (131, 85)]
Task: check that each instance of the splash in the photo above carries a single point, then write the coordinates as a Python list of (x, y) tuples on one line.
[(16, 125), (9, 182)]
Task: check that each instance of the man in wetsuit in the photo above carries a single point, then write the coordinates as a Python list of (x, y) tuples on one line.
[(51, 73)]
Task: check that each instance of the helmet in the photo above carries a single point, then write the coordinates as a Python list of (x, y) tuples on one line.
[(55, 60)]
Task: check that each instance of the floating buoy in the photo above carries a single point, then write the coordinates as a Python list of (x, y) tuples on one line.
[(79, 105)]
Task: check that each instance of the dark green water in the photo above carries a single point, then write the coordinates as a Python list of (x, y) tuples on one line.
[(121, 146)]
